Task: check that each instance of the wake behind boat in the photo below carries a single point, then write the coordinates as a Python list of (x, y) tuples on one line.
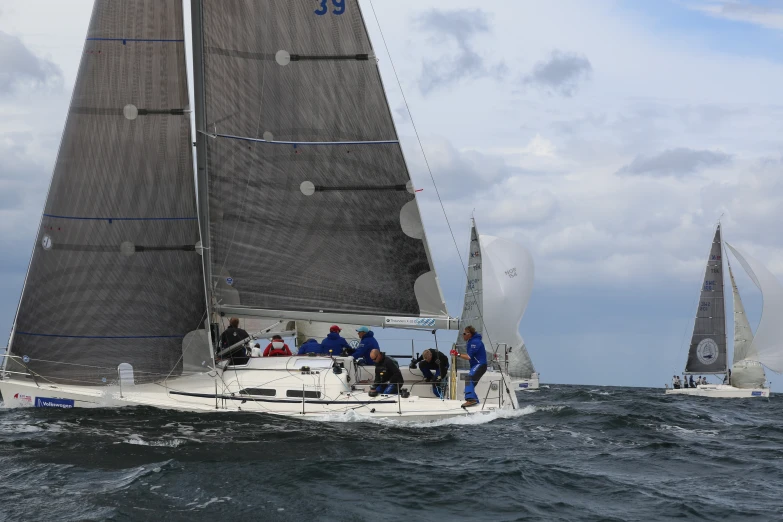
[(708, 351), (138, 261)]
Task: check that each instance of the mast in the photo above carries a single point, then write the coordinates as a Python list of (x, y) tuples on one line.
[(202, 187), (725, 307)]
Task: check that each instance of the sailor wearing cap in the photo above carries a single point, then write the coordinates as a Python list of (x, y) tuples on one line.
[(366, 345), (334, 344)]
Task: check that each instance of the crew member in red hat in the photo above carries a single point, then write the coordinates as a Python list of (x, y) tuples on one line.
[(334, 344)]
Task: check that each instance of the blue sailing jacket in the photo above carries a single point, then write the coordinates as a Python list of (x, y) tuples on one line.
[(309, 346), (476, 350), (335, 343), (366, 344)]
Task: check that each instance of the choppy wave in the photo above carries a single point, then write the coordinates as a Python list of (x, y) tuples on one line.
[(568, 453)]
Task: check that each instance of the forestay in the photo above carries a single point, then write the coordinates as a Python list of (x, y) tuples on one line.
[(115, 276), (767, 345), (311, 206), (707, 354)]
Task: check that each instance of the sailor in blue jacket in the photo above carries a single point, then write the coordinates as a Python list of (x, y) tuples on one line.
[(477, 355), (366, 345), (310, 346), (334, 342)]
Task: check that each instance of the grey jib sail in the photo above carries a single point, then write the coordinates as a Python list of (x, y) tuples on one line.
[(114, 276), (471, 309), (707, 352), (311, 206)]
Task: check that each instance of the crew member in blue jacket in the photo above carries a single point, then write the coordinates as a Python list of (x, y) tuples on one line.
[(334, 344), (366, 345), (310, 346), (477, 355)]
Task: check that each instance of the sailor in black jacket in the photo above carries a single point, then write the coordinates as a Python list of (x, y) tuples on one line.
[(388, 378), (429, 361), (232, 335)]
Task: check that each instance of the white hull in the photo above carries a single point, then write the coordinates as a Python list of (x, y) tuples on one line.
[(531, 384), (266, 385), (720, 391)]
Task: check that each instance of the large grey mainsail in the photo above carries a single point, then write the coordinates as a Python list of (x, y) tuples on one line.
[(115, 276), (472, 314), (311, 207), (707, 354)]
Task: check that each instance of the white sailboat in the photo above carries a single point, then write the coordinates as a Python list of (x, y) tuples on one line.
[(137, 266), (708, 351), (500, 282)]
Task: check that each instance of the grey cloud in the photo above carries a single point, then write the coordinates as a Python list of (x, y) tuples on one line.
[(674, 162), (459, 27), (459, 174), (22, 68), (561, 73), (769, 15)]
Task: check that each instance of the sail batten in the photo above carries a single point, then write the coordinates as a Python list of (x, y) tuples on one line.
[(707, 353)]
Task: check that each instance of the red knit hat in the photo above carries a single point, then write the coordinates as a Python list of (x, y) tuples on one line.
[(334, 328)]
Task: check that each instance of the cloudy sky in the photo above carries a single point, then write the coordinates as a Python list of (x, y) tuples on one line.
[(606, 136)]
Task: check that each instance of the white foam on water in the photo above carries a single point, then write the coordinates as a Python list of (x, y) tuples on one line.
[(138, 441), (213, 500), (15, 427), (686, 433)]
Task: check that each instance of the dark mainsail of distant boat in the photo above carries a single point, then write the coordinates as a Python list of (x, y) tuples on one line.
[(707, 354)]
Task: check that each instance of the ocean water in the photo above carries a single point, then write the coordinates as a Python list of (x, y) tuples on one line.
[(569, 453)]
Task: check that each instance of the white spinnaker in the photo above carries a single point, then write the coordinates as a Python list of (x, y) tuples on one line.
[(508, 273), (743, 335), (767, 346)]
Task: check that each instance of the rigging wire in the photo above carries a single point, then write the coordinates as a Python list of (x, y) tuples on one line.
[(432, 177)]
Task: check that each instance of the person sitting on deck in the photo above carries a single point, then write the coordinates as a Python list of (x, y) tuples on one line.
[(702, 380), (388, 378), (430, 360), (231, 336), (334, 344), (693, 385), (366, 345), (676, 382), (311, 346), (277, 348)]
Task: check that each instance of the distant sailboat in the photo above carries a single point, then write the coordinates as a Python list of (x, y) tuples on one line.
[(708, 350), (500, 281)]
